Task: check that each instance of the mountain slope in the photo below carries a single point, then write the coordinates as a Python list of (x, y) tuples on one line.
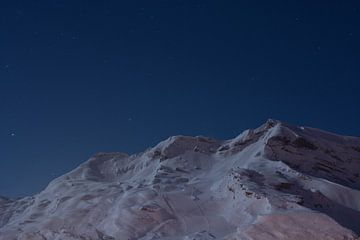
[(274, 182)]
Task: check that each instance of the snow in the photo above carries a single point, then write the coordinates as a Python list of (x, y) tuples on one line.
[(274, 182)]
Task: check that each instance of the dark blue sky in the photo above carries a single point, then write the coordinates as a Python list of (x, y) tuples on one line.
[(79, 77)]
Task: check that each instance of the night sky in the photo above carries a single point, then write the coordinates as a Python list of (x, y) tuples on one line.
[(82, 76)]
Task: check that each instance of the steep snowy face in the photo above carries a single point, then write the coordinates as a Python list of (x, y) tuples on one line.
[(317, 153), (274, 182)]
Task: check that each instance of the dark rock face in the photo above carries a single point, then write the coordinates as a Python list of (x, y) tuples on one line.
[(332, 157)]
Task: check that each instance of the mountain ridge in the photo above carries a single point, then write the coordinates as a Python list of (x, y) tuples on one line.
[(249, 187)]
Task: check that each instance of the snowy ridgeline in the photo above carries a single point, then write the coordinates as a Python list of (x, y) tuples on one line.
[(274, 182)]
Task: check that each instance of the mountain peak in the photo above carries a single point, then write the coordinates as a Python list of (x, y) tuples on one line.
[(272, 122)]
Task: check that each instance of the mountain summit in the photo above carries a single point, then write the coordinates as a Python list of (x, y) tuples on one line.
[(274, 182)]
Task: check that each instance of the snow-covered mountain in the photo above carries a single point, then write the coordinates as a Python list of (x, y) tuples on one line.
[(274, 182)]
